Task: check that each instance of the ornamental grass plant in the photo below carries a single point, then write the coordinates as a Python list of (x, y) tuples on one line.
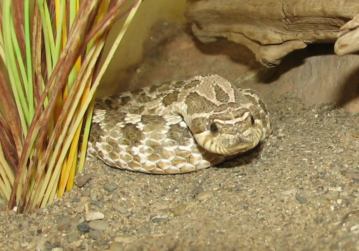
[(50, 52)]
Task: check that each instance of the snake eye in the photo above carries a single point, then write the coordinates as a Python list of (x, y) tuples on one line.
[(213, 127), (252, 120)]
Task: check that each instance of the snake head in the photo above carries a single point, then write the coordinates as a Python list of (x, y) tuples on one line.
[(224, 119), (237, 131)]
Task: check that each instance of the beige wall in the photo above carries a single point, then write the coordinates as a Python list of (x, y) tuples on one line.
[(131, 49)]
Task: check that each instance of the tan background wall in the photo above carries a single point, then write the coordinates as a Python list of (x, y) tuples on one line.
[(131, 49)]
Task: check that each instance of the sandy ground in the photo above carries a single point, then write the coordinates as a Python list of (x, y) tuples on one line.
[(299, 190)]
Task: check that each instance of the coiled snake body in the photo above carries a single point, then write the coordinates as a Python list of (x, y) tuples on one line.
[(178, 127)]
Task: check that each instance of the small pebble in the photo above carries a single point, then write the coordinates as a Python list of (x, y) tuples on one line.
[(122, 210), (111, 187), (160, 207), (57, 249), (95, 167), (98, 225), (116, 246), (143, 230), (90, 216), (51, 246), (42, 211), (354, 228), (35, 244), (99, 197), (95, 234), (71, 238), (24, 224), (355, 134), (99, 204), (81, 180), (76, 200), (197, 190), (64, 223), (85, 194), (204, 195), (158, 219), (93, 197), (179, 209), (301, 199), (124, 239), (24, 244), (80, 207), (85, 199), (83, 227)]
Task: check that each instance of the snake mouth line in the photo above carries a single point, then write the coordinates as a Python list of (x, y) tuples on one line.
[(226, 146)]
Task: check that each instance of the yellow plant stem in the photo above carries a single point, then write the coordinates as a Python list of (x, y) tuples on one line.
[(86, 135), (70, 182), (70, 163), (53, 164)]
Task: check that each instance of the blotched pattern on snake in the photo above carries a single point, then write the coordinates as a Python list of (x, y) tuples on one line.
[(178, 127)]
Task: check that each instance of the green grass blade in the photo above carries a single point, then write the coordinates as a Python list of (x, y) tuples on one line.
[(29, 86), (11, 65)]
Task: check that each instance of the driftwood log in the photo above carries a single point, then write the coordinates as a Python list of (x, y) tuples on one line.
[(273, 28)]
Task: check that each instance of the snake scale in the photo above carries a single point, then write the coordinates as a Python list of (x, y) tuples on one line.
[(178, 127)]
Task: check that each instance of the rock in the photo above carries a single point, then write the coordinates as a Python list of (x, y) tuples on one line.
[(24, 244), (158, 219), (83, 227), (122, 210), (42, 211), (90, 216), (64, 223), (301, 199), (143, 230), (95, 234), (180, 209), (99, 204), (197, 190), (57, 249), (116, 246), (160, 207), (76, 200), (53, 246), (24, 224), (80, 207), (71, 238), (98, 225), (111, 187), (204, 195), (124, 239), (81, 180), (93, 197), (85, 194)]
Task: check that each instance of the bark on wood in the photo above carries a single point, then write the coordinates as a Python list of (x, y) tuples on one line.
[(270, 28), (348, 38)]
